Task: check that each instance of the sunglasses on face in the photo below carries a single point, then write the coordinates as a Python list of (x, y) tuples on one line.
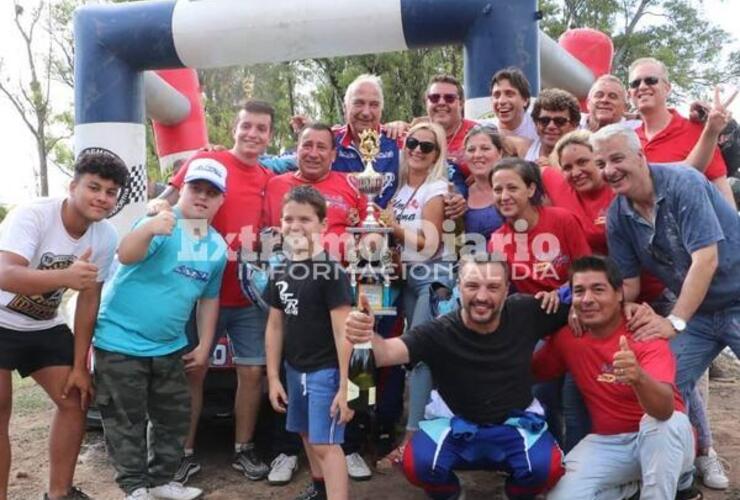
[(559, 121), (447, 98), (649, 80), (425, 146)]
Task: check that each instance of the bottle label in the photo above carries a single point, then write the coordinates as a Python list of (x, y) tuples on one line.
[(353, 392), (364, 345), (371, 396)]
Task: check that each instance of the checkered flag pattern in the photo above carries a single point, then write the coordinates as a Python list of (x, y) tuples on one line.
[(137, 184)]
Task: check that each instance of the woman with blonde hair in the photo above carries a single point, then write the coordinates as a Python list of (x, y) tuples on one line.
[(416, 213)]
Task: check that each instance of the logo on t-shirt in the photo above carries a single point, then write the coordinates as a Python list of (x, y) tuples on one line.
[(43, 307), (290, 303), (192, 273), (607, 374)]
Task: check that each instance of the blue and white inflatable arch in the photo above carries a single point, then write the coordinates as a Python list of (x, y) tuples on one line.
[(116, 44)]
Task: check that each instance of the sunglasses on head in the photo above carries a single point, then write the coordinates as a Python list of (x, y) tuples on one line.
[(448, 98), (425, 146), (649, 80), (559, 121)]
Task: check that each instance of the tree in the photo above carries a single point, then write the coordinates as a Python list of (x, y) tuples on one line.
[(674, 31), (30, 96)]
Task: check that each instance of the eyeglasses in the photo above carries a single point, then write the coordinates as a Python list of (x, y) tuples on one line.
[(559, 121), (448, 98), (649, 80), (425, 146)]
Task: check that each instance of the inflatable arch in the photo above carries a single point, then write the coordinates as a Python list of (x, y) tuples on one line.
[(117, 47)]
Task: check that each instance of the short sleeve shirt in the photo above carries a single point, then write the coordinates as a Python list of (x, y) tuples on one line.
[(146, 305), (36, 232), (613, 407), (539, 258), (239, 216), (408, 205), (674, 143), (484, 377), (306, 292), (690, 214)]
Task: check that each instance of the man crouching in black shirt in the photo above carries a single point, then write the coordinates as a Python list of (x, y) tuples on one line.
[(480, 360)]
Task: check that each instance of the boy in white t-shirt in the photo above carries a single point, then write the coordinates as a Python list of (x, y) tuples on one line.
[(47, 247)]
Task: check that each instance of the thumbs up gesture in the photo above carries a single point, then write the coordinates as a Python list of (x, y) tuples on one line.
[(82, 274), (626, 368), (360, 323), (163, 223)]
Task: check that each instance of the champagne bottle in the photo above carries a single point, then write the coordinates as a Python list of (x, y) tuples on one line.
[(361, 384)]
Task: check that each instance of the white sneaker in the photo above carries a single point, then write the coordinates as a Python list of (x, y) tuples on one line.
[(357, 468), (282, 469), (138, 494), (175, 491), (712, 471)]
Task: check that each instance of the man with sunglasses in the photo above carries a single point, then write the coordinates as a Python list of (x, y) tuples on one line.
[(671, 221), (665, 135), (444, 100), (556, 112)]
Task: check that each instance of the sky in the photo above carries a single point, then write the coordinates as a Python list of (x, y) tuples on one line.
[(19, 154)]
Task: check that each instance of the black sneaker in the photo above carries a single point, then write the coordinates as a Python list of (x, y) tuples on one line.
[(310, 493), (249, 464), (690, 493), (188, 467), (74, 494)]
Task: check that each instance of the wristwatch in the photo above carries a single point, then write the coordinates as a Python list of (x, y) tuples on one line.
[(678, 324)]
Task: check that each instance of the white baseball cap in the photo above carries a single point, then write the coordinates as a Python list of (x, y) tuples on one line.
[(207, 169)]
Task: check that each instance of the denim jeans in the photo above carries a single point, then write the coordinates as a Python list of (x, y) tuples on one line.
[(608, 467), (706, 335), (416, 304)]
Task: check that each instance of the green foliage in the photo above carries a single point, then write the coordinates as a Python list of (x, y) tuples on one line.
[(3, 212), (674, 31)]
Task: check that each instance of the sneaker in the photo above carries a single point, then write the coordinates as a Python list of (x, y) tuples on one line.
[(711, 470), (249, 464), (188, 467), (282, 469), (175, 491), (357, 468), (74, 494), (139, 494), (310, 493)]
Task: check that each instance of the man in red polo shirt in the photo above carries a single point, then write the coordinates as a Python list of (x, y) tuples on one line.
[(346, 206), (444, 100), (238, 221), (666, 136), (640, 431)]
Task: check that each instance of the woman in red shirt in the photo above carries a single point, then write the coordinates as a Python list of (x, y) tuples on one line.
[(538, 242)]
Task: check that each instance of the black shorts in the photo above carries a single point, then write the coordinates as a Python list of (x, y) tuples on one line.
[(30, 351)]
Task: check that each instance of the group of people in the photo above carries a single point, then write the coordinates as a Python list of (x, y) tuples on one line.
[(598, 273)]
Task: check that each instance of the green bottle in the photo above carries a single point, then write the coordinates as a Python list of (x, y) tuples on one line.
[(361, 385)]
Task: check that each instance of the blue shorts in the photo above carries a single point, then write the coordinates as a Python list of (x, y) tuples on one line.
[(310, 396), (245, 327)]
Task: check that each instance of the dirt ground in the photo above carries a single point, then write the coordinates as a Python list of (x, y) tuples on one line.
[(29, 471)]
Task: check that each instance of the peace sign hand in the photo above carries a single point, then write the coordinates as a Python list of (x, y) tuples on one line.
[(719, 116)]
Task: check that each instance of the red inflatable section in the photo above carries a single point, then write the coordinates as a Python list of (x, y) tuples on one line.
[(593, 48), (176, 142)]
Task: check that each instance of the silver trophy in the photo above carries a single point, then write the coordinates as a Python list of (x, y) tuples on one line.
[(370, 263)]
